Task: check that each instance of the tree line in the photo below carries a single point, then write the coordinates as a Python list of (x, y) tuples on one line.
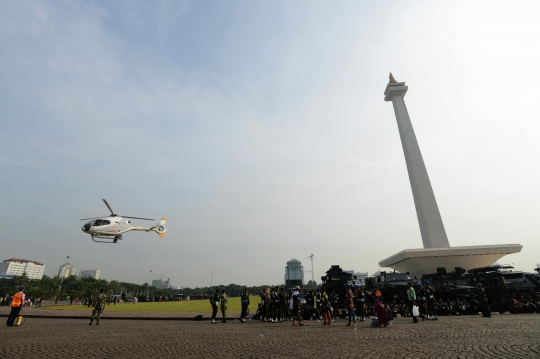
[(73, 286)]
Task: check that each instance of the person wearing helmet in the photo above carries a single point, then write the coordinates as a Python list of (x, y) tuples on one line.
[(349, 304), (16, 306)]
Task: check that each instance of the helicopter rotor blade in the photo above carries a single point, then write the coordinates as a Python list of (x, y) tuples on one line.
[(84, 219), (146, 219), (109, 207)]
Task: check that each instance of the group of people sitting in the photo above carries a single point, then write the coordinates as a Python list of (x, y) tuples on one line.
[(357, 303)]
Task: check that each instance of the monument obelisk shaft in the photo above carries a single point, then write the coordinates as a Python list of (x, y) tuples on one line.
[(429, 217)]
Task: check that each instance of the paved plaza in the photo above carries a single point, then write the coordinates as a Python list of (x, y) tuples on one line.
[(502, 336)]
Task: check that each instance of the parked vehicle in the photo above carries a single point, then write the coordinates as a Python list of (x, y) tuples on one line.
[(391, 285), (450, 285)]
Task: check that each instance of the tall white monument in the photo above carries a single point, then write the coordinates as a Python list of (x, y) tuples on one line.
[(437, 251)]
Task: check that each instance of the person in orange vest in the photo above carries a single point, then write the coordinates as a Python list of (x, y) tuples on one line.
[(16, 306)]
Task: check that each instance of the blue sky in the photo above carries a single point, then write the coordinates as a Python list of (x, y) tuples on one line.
[(259, 129)]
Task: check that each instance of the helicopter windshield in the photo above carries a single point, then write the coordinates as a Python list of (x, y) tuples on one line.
[(101, 222)]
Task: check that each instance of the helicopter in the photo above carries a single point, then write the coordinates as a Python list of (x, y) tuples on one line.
[(113, 226)]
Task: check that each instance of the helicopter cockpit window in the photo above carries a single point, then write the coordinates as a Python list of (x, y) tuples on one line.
[(105, 222), (97, 222)]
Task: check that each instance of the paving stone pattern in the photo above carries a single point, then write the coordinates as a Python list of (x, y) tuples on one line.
[(503, 336)]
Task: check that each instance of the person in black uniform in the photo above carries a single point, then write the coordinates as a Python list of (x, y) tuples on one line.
[(276, 306), (482, 300), (263, 305), (310, 299), (429, 294), (334, 300), (214, 301), (283, 307), (244, 299), (360, 303), (318, 299)]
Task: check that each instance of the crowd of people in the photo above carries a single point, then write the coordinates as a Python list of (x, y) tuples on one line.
[(357, 304), (28, 302)]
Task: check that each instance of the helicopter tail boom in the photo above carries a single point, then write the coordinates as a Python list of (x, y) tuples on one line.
[(158, 228)]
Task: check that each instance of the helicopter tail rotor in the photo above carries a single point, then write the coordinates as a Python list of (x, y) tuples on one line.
[(160, 227)]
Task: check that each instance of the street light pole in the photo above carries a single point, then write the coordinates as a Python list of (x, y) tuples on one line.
[(312, 275)]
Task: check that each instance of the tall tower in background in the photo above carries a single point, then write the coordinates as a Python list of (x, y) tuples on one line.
[(437, 252), (294, 273), (427, 211)]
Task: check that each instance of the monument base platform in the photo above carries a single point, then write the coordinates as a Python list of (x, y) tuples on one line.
[(427, 260)]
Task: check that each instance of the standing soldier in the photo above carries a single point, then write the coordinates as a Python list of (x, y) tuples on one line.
[(223, 305), (429, 292), (244, 299), (214, 302), (283, 304), (276, 304), (481, 296), (99, 305), (17, 303)]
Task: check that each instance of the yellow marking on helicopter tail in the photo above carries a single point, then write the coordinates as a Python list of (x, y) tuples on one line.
[(164, 219), (161, 235)]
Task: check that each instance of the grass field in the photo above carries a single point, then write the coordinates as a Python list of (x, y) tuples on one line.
[(188, 306)]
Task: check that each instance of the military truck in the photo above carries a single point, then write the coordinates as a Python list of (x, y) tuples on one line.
[(392, 285), (517, 282), (450, 285)]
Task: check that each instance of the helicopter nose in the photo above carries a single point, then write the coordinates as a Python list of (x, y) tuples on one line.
[(86, 227)]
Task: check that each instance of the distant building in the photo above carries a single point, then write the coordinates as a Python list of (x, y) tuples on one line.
[(93, 273), (13, 266), (360, 277), (66, 270), (161, 284), (294, 273)]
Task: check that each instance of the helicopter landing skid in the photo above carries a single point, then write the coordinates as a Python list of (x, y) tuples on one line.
[(115, 239)]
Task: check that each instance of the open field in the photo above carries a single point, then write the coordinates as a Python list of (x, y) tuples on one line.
[(187, 306)]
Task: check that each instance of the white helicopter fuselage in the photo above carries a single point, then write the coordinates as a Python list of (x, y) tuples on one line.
[(116, 226)]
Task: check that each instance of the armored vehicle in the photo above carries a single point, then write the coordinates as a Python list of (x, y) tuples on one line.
[(392, 285), (450, 285), (335, 279), (517, 282)]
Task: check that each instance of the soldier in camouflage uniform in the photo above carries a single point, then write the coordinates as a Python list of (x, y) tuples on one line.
[(99, 305), (223, 305)]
